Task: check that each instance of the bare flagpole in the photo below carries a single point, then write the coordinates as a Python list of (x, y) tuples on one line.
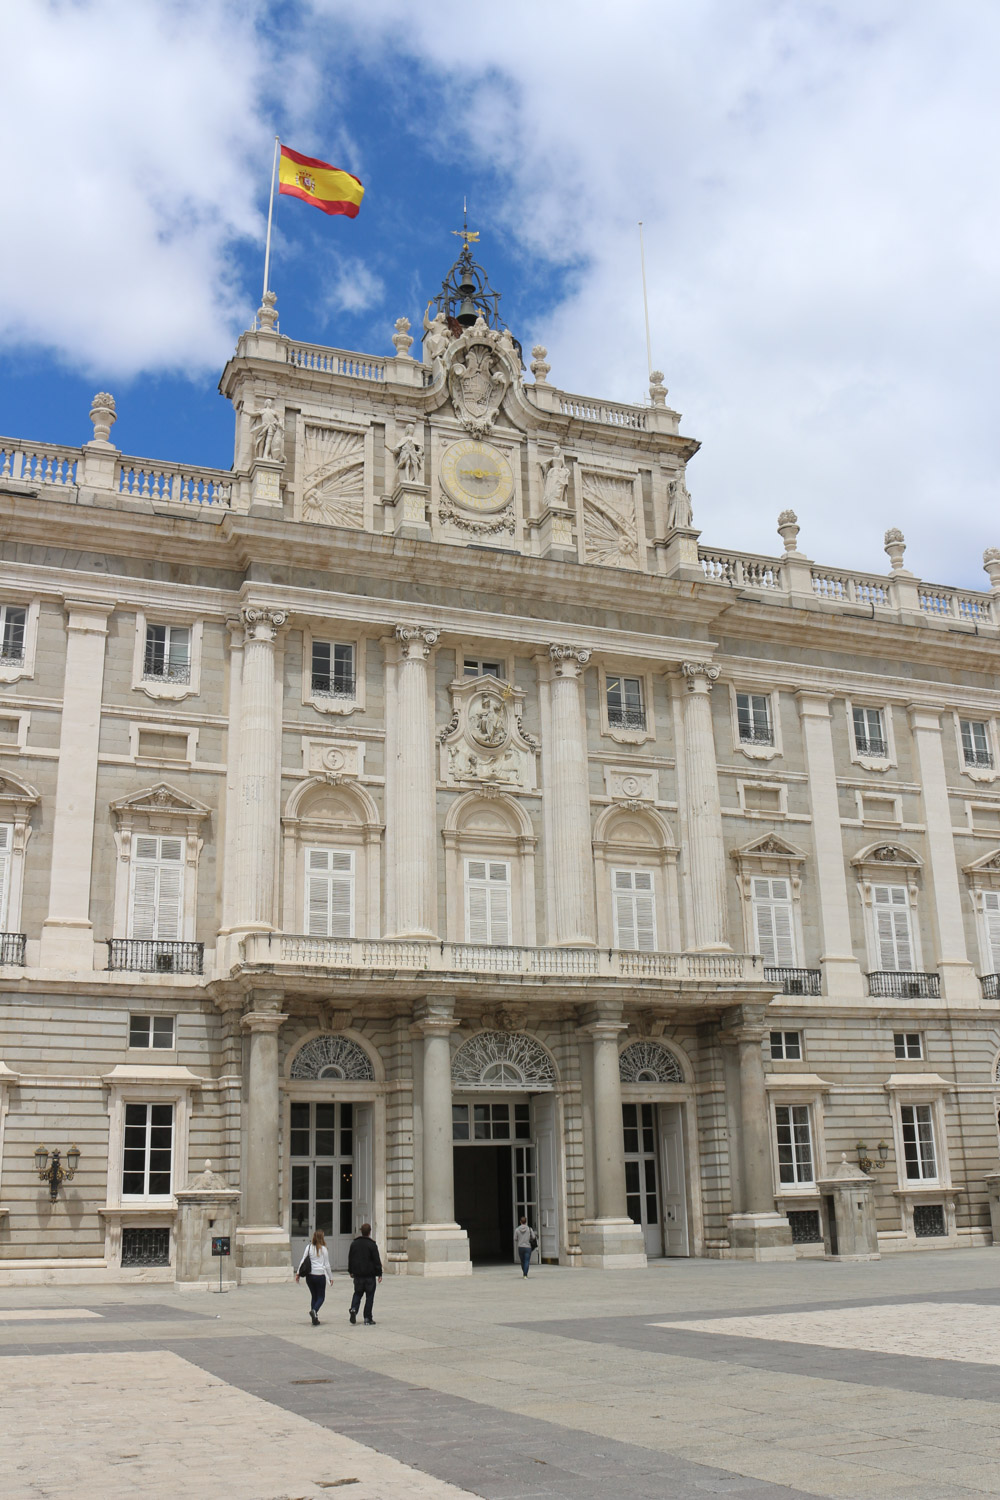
[(270, 215), (645, 300)]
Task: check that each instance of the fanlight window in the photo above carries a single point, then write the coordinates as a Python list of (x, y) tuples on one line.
[(648, 1062), (502, 1060), (333, 1056)]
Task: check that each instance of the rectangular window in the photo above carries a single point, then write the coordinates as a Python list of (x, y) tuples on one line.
[(168, 653), (634, 910), (157, 887), (753, 719), (908, 1044), (151, 1031), (625, 705), (893, 938), (976, 743), (991, 929), (795, 1152), (487, 902), (772, 921), (918, 1141), (333, 669), (869, 732), (6, 843), (329, 901), (786, 1046), (476, 668), (12, 625), (148, 1155)]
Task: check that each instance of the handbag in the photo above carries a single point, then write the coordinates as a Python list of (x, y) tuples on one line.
[(533, 1241), (304, 1265)]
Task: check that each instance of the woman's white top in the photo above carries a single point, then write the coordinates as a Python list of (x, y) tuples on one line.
[(319, 1261)]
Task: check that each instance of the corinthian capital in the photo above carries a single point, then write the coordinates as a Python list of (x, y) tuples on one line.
[(699, 675), (568, 660), (261, 623), (416, 640)]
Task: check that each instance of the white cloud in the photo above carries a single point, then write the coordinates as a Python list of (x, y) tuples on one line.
[(355, 287)]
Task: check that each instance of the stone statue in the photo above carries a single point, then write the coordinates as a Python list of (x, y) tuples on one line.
[(679, 513), (409, 454), (437, 336), (269, 433), (489, 723), (555, 475)]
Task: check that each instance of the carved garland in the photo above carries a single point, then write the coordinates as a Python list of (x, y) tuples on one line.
[(502, 1060), (330, 1056), (648, 1062)]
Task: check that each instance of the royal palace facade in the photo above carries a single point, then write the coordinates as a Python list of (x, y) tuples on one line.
[(420, 824)]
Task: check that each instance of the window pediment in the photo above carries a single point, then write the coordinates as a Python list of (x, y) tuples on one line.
[(770, 846), (884, 859), (161, 801)]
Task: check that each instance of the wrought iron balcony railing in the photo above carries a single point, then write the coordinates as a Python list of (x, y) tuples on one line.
[(338, 687), (869, 745), (904, 986), (12, 948), (627, 718), (979, 758), (756, 736), (150, 956), (795, 981), (174, 672), (990, 986)]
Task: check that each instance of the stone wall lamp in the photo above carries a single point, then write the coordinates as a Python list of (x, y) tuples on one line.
[(55, 1170), (865, 1162)]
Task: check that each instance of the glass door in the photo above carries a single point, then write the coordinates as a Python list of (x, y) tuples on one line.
[(322, 1177), (642, 1188), (526, 1187)]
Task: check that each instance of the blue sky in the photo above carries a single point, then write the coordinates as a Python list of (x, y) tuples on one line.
[(818, 185)]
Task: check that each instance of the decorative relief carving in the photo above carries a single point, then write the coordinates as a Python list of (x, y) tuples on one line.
[(341, 761), (268, 432), (416, 640), (610, 533), (498, 1060), (568, 660), (622, 784), (481, 367), (699, 675), (483, 742), (262, 624), (333, 491), (409, 456)]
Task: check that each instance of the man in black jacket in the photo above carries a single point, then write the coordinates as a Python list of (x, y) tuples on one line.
[(365, 1265)]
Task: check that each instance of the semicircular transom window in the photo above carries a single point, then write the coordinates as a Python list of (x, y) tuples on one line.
[(648, 1062), (333, 1056), (502, 1060)]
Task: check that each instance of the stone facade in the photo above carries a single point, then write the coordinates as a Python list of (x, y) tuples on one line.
[(420, 825)]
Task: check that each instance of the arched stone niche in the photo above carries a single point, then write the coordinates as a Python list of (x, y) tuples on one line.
[(491, 827), (322, 813), (637, 838), (497, 1060)]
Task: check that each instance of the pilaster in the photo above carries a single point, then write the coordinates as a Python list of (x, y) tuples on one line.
[(703, 811), (257, 793), (411, 853), (567, 798)]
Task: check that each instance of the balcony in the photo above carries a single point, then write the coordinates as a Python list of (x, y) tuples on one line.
[(300, 951), (756, 736), (903, 986), (795, 981), (12, 948), (150, 956), (978, 759), (869, 745), (626, 718), (990, 984)]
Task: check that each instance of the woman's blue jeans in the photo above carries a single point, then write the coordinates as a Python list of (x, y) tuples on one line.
[(525, 1253)]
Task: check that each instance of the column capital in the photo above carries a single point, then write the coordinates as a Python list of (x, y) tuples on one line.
[(699, 675), (416, 641), (925, 716), (89, 615), (261, 622), (813, 704), (743, 1023), (263, 1021), (603, 1020), (568, 661), (435, 1017)]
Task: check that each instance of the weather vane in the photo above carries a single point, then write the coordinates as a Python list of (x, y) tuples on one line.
[(470, 236)]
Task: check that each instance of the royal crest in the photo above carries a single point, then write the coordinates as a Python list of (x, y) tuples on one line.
[(481, 368)]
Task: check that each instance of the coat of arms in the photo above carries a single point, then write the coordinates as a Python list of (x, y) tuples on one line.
[(482, 366)]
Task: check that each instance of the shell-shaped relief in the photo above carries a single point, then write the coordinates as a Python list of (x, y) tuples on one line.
[(648, 1062), (502, 1060), (333, 1056), (610, 533), (334, 489)]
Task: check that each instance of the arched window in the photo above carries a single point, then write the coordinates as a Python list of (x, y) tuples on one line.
[(502, 1060), (636, 874), (489, 853), (649, 1062), (333, 1056), (332, 857)]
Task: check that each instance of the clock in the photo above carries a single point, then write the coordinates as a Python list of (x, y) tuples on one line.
[(477, 476)]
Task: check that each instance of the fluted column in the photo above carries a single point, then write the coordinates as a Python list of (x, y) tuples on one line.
[(958, 978), (703, 809), (262, 1242), (567, 795), (257, 774), (841, 970), (610, 1239), (411, 852), (756, 1230), (437, 1246)]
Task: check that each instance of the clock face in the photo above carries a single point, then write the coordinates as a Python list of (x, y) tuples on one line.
[(477, 476)]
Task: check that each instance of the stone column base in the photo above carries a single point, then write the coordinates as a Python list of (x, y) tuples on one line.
[(612, 1245), (760, 1237), (263, 1254), (437, 1250)]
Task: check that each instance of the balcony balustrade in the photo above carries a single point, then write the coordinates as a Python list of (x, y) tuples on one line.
[(150, 956), (12, 948), (980, 759), (904, 986), (866, 745), (990, 984), (627, 718), (795, 981)]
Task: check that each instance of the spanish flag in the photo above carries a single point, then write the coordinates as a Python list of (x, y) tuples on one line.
[(316, 182)]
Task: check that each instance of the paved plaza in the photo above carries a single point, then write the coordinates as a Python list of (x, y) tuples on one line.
[(691, 1379)]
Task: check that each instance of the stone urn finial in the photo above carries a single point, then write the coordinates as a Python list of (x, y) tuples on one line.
[(402, 338), (539, 368), (267, 313), (895, 546), (103, 415), (657, 390), (991, 562), (788, 530)]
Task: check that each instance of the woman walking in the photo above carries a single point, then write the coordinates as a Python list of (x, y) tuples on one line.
[(315, 1267), (525, 1240)]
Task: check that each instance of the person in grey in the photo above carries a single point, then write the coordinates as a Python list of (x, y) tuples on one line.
[(365, 1264), (525, 1240)]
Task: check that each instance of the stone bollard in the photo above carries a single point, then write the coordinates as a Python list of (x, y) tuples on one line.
[(206, 1207), (851, 1192)]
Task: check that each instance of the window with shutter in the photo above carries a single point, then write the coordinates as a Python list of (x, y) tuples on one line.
[(632, 896), (893, 938), (6, 840), (773, 925), (157, 904), (991, 926), (487, 902), (329, 900)]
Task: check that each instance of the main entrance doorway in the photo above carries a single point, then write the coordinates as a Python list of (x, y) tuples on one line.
[(496, 1177), (330, 1165), (655, 1188)]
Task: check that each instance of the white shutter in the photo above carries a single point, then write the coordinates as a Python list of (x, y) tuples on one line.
[(991, 923), (772, 921), (157, 888), (487, 902), (329, 893), (892, 928), (634, 910), (6, 840)]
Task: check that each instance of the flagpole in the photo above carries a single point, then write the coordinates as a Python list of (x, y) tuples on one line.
[(270, 215), (645, 300)]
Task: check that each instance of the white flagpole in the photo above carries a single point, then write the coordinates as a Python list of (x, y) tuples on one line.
[(645, 300), (270, 215)]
